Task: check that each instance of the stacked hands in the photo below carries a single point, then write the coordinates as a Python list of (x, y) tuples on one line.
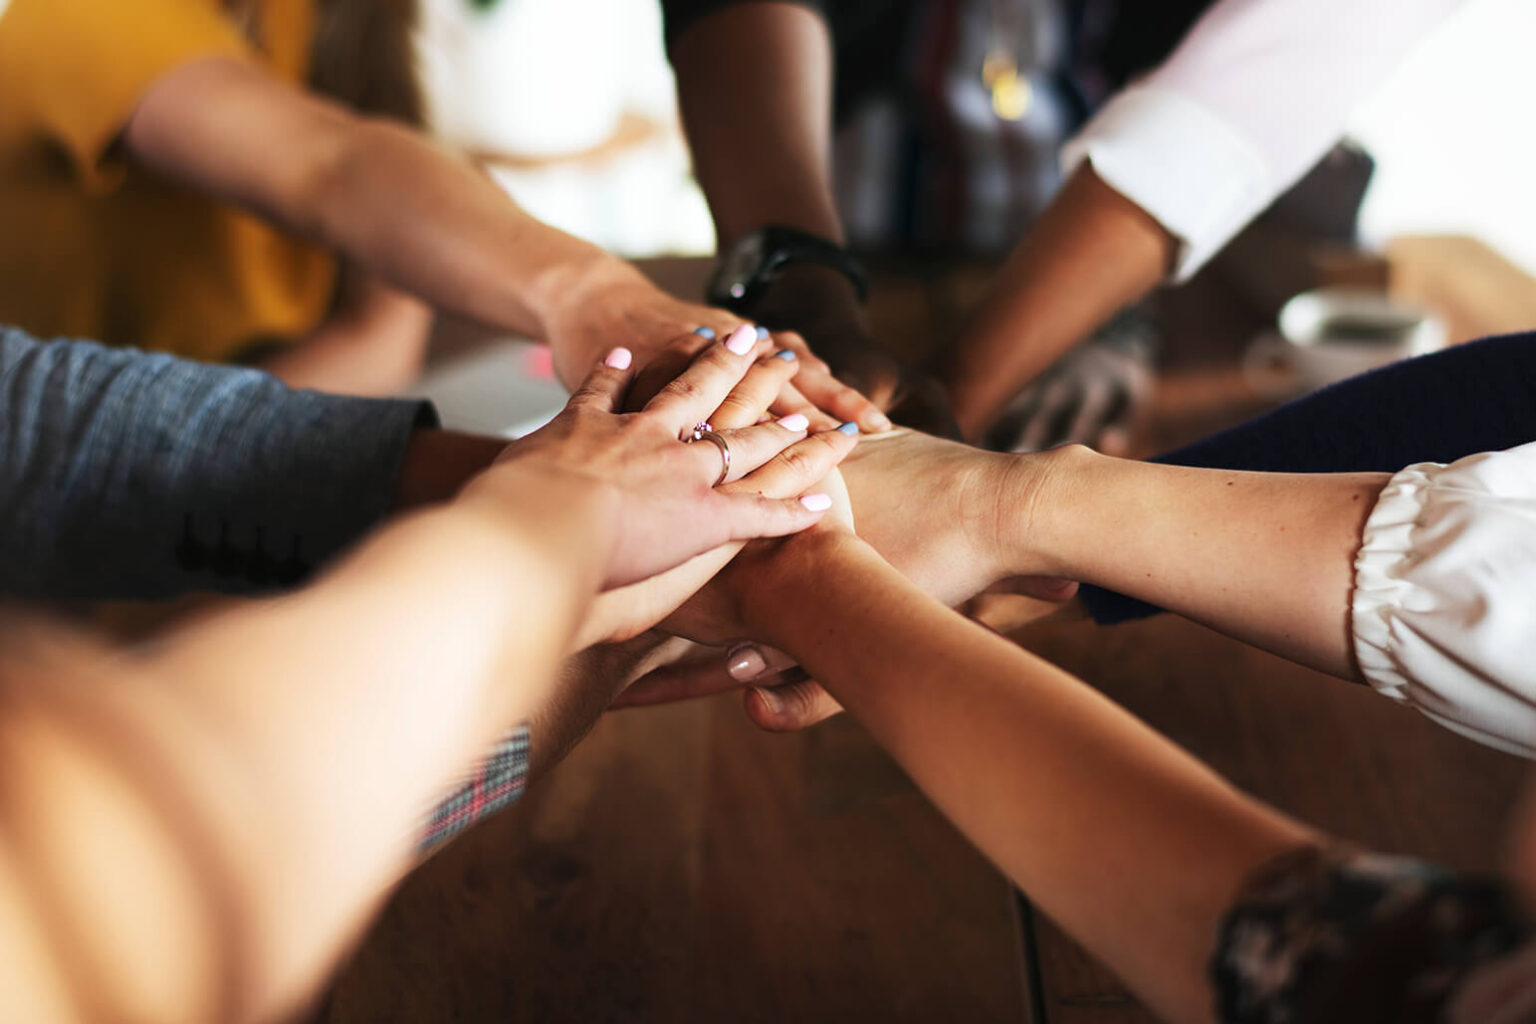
[(703, 546)]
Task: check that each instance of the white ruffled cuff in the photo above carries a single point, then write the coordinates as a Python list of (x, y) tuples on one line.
[(1444, 606)]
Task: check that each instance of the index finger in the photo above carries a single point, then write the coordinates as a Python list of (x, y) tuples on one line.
[(698, 391)]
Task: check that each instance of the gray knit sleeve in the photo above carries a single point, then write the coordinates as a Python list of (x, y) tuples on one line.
[(129, 475)]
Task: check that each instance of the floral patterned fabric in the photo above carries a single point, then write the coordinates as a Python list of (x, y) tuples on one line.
[(1343, 937)]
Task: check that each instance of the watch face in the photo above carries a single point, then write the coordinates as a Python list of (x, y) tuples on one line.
[(742, 265)]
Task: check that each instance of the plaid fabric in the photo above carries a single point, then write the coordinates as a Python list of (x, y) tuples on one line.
[(923, 163), (497, 782)]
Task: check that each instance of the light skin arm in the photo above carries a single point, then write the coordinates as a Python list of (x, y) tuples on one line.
[(1134, 847), (1266, 558), (1090, 254), (264, 772), (410, 213), (263, 775)]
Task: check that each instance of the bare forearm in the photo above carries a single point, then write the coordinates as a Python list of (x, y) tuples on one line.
[(1091, 253), (1265, 557), (347, 710), (451, 236), (413, 214), (1134, 847), (755, 88)]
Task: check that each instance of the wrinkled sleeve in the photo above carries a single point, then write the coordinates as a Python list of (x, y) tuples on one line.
[(678, 15), (1444, 607), (128, 475), (1253, 97), (76, 69), (1343, 937)]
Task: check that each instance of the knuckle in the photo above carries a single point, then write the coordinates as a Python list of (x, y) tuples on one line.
[(682, 388), (797, 460)]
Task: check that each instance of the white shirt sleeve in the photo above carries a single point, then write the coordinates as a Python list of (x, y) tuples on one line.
[(1253, 97), (1444, 609)]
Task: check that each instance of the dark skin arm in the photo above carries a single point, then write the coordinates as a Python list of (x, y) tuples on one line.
[(756, 78), (1092, 253)]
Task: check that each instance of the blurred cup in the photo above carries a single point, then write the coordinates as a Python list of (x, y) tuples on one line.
[(1332, 334)]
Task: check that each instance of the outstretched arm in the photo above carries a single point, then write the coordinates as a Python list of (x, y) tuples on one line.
[(755, 79), (1132, 845), (1174, 166), (1265, 557), (1091, 253), (263, 775), (407, 210)]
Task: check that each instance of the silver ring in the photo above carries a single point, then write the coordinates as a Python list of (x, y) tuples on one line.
[(704, 432)]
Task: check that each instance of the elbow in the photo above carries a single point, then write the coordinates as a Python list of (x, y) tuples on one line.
[(330, 185)]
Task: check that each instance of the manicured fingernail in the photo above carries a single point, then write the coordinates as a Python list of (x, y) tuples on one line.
[(745, 663), (851, 429), (770, 700), (878, 421), (794, 422), (786, 354), (762, 333), (817, 502), (619, 359), (742, 340), (704, 332)]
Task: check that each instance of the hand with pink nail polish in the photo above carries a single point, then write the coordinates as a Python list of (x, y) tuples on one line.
[(656, 494)]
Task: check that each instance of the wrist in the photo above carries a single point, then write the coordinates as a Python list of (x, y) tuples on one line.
[(569, 512), (576, 283), (807, 297), (801, 583), (438, 463), (1039, 508)]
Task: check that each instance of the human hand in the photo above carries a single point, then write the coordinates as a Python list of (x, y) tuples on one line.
[(657, 494), (946, 515), (629, 611), (620, 306), (1092, 395), (823, 320)]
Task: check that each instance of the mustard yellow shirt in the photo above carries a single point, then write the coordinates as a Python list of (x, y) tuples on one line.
[(92, 246)]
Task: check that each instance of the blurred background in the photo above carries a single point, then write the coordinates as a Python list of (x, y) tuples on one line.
[(570, 105), (592, 144)]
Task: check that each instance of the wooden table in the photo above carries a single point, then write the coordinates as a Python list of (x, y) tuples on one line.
[(682, 866)]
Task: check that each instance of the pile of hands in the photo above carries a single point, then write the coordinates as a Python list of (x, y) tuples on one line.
[(694, 553)]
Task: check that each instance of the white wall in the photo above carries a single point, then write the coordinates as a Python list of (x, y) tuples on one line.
[(1455, 136)]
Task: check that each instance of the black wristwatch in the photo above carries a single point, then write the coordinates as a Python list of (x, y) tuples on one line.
[(746, 270)]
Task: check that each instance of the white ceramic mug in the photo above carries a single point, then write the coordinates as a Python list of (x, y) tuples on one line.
[(1332, 334)]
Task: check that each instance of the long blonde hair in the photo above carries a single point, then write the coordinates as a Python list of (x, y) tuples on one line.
[(363, 53)]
